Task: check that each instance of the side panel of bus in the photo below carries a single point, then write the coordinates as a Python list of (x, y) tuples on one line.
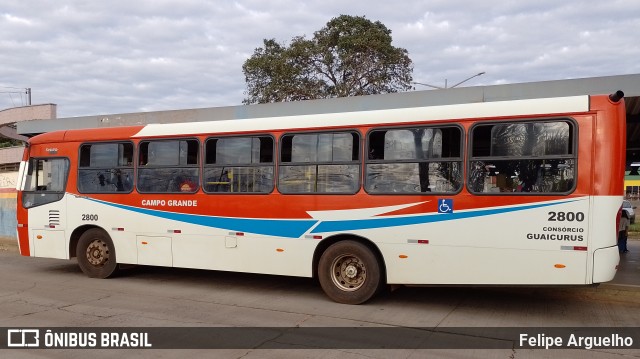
[(148, 237), (496, 248), (48, 235), (609, 152)]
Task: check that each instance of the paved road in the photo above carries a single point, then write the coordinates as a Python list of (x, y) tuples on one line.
[(52, 293)]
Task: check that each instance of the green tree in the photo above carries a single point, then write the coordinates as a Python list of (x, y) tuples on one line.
[(7, 142), (350, 56)]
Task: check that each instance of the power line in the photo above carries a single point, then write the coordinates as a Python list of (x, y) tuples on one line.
[(25, 91), (445, 82), (10, 87)]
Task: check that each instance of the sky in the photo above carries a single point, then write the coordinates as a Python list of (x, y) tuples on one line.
[(117, 56)]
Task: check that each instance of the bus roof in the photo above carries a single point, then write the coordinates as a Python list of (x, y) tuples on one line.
[(555, 105), (93, 134)]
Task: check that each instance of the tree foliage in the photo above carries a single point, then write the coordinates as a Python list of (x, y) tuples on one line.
[(7, 142), (350, 56)]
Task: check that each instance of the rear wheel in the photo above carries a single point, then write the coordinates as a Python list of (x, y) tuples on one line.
[(349, 272), (96, 254)]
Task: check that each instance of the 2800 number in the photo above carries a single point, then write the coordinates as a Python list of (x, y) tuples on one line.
[(566, 216), (89, 217)]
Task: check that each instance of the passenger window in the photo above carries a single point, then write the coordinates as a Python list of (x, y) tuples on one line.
[(320, 163), (105, 168), (168, 166), (414, 160), (239, 165), (523, 157)]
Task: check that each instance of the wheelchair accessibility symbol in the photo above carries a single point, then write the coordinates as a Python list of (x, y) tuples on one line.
[(445, 206)]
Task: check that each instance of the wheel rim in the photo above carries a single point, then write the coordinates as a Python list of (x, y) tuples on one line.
[(348, 272), (97, 253)]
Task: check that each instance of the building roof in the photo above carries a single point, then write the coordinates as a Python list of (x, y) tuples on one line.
[(629, 84)]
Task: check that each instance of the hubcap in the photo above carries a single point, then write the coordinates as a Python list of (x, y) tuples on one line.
[(348, 272), (98, 253)]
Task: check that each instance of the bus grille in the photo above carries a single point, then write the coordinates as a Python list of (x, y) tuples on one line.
[(54, 217)]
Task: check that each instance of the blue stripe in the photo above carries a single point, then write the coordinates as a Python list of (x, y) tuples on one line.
[(289, 228), (295, 228), (384, 222)]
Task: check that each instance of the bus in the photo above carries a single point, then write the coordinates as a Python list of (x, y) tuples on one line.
[(518, 192)]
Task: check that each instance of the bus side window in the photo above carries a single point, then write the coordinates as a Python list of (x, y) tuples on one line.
[(239, 165), (523, 157), (168, 166), (414, 160), (105, 167), (325, 162), (45, 181)]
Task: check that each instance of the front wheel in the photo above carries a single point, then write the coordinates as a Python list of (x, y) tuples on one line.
[(349, 272), (96, 254)]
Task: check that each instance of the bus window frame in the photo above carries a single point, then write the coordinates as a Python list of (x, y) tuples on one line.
[(359, 161), (138, 166), (133, 166), (574, 127), (460, 159), (66, 181), (273, 165)]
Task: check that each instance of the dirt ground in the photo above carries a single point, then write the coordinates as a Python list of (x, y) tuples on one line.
[(8, 244)]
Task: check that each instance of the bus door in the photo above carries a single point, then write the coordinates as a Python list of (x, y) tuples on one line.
[(43, 196)]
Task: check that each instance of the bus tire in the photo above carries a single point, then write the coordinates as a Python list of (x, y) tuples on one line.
[(96, 254), (349, 272)]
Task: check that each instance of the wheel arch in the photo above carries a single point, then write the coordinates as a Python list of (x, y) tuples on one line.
[(77, 233), (327, 242)]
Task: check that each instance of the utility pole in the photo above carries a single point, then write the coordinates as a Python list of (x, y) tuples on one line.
[(446, 84)]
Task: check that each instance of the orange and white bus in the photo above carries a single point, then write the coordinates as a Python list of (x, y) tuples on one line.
[(523, 192)]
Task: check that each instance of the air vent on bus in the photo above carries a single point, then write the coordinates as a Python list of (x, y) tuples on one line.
[(54, 217)]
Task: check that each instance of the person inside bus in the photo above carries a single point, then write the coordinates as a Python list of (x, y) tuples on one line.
[(181, 183), (116, 176), (623, 232), (187, 185), (142, 159)]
